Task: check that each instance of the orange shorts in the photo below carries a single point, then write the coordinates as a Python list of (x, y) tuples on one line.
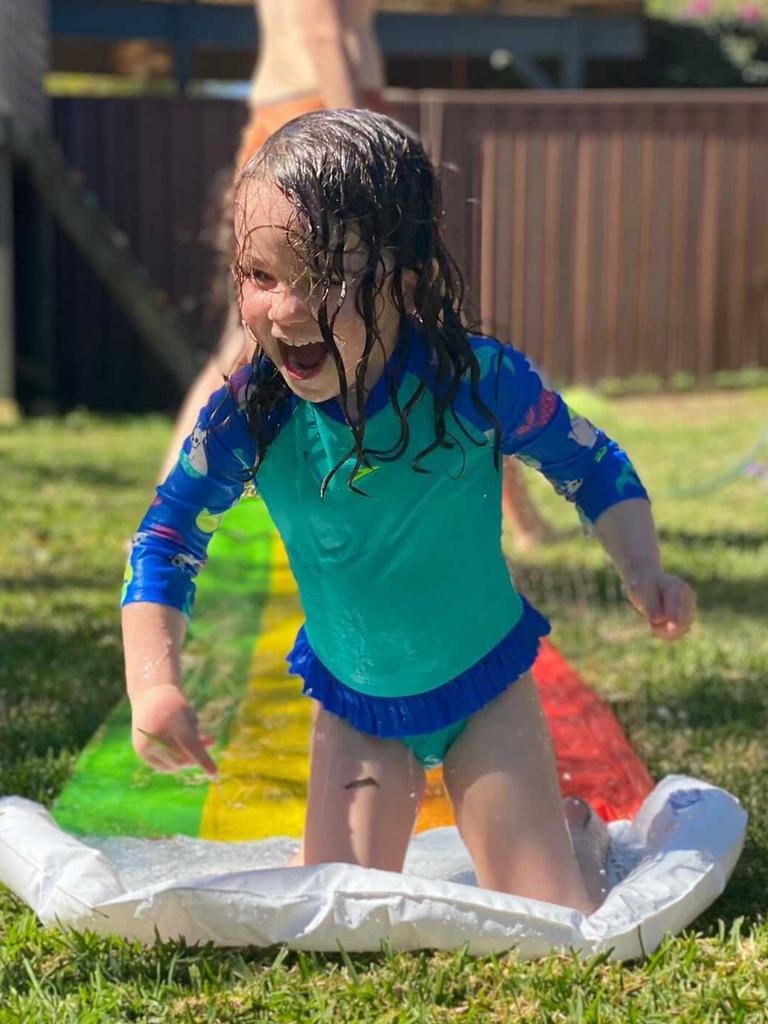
[(268, 117)]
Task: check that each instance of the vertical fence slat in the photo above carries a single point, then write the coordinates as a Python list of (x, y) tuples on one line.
[(518, 297), (507, 316), (656, 355), (708, 253), (532, 257), (553, 240), (677, 239), (761, 347), (611, 283), (582, 249), (629, 260), (645, 237), (735, 352), (488, 262)]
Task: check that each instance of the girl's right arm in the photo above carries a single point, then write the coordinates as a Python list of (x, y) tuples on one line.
[(168, 551), (164, 726)]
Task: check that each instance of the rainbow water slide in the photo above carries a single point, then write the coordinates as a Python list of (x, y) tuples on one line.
[(247, 616)]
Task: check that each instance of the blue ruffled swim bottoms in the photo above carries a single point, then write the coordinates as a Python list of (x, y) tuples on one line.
[(427, 722)]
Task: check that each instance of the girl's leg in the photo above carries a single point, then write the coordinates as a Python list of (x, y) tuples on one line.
[(501, 776), (364, 793)]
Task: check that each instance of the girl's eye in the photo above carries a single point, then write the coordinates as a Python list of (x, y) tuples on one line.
[(262, 279)]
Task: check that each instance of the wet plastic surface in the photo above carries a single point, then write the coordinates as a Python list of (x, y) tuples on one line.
[(666, 867)]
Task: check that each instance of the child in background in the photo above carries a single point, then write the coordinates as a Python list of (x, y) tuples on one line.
[(374, 423)]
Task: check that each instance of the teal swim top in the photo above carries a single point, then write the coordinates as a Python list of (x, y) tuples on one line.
[(412, 619)]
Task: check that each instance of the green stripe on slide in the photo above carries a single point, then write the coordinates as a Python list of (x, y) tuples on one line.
[(111, 791)]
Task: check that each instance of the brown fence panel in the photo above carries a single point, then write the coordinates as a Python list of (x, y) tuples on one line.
[(607, 234), (622, 233)]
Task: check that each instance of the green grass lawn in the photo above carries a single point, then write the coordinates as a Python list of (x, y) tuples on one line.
[(73, 491)]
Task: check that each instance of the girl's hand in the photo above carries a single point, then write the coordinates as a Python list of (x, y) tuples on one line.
[(165, 732), (667, 602)]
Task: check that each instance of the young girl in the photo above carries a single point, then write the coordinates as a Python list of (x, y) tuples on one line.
[(374, 424)]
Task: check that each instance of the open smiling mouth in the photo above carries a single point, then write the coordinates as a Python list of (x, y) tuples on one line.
[(303, 361)]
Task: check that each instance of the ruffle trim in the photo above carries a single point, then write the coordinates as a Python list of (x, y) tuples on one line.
[(435, 709)]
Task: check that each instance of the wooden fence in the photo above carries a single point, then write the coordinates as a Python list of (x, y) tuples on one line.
[(605, 233)]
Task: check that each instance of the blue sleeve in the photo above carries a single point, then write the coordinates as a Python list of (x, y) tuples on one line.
[(170, 546), (581, 462)]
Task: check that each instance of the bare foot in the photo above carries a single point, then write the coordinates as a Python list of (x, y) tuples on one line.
[(591, 839)]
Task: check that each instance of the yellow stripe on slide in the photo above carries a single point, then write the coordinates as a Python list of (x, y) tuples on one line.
[(265, 767)]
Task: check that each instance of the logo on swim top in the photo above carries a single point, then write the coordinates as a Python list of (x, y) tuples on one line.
[(365, 471)]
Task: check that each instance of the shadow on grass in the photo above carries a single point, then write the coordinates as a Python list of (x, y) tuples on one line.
[(729, 538), (566, 586), (83, 474), (707, 702), (746, 895), (55, 687), (42, 582), (562, 587)]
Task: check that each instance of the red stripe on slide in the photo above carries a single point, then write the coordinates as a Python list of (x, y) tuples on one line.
[(594, 758)]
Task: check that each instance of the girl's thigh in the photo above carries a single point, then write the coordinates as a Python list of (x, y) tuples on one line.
[(364, 794), (502, 779)]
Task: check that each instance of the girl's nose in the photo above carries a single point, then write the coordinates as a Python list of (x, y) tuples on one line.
[(288, 306)]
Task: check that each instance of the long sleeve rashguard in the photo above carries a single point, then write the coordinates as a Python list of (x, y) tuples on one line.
[(412, 620)]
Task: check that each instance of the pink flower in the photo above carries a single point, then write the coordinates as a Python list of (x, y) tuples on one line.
[(751, 14), (699, 8)]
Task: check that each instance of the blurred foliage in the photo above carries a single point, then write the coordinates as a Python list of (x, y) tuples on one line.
[(721, 54), (714, 54), (746, 10)]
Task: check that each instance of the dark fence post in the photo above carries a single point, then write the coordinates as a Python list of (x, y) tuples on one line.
[(7, 331), (24, 46)]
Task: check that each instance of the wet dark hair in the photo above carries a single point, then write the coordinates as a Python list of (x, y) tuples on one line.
[(355, 169)]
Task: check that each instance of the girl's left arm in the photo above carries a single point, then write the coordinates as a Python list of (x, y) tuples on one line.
[(591, 470), (628, 534)]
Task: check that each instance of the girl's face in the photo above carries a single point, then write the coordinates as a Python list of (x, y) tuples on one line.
[(279, 305)]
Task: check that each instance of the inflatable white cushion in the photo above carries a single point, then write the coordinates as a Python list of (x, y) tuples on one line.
[(665, 868)]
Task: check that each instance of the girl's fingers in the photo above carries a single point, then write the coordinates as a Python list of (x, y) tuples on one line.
[(682, 605), (184, 750), (162, 762), (201, 757), (679, 608), (194, 749), (672, 594), (647, 599), (666, 602), (185, 758)]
